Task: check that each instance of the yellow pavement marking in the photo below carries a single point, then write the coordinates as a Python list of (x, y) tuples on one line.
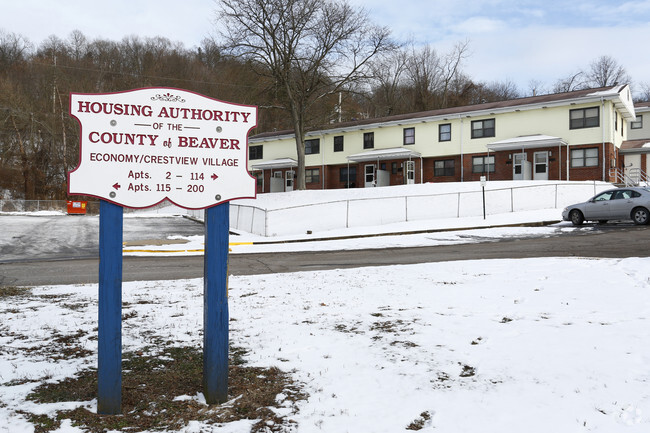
[(180, 251)]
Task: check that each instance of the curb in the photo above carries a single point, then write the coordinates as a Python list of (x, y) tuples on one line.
[(337, 238), (414, 232)]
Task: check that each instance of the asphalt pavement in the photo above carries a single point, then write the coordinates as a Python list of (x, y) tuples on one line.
[(79, 264)]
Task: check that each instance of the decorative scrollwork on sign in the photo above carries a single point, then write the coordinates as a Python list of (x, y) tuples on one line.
[(167, 97)]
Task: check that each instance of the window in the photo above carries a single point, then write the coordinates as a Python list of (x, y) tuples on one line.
[(312, 175), (344, 174), (382, 166), (637, 123), (368, 140), (444, 167), (625, 195), (444, 132), (483, 128), (409, 136), (259, 178), (393, 168), (584, 157), (255, 152), (312, 147), (483, 164), (584, 118), (338, 143)]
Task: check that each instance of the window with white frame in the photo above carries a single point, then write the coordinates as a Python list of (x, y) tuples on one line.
[(637, 123), (483, 164), (584, 157)]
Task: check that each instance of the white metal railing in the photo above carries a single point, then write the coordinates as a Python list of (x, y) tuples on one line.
[(630, 177), (360, 212)]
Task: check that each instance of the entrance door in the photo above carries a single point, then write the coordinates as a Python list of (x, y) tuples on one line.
[(288, 183), (369, 178), (541, 166), (633, 168), (410, 172), (518, 165)]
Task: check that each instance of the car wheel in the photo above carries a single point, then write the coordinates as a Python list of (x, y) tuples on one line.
[(576, 217), (640, 216)]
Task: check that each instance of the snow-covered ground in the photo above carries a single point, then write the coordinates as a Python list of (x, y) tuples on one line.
[(530, 345), (534, 345)]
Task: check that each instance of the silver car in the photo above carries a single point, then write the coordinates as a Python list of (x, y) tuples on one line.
[(613, 204)]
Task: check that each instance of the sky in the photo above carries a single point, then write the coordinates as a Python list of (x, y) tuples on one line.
[(516, 40)]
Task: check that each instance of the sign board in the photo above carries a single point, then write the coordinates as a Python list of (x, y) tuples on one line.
[(141, 146)]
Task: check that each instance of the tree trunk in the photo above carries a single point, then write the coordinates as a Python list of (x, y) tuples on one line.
[(24, 162), (300, 146)]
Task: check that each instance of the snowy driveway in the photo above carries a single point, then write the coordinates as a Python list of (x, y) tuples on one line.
[(64, 236)]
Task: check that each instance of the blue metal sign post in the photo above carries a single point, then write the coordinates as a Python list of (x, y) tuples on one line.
[(109, 368), (215, 304)]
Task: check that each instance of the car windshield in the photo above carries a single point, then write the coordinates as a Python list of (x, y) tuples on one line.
[(604, 196)]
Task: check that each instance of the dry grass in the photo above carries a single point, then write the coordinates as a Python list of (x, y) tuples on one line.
[(150, 383)]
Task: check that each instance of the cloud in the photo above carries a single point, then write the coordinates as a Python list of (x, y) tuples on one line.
[(548, 53), (477, 25)]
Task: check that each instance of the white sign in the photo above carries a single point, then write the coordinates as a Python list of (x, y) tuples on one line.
[(142, 146)]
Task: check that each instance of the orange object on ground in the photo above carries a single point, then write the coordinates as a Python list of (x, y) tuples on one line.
[(77, 207)]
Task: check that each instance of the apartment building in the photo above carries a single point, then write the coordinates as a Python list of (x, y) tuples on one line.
[(581, 135)]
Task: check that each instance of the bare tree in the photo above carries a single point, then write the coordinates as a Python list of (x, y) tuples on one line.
[(503, 90), (643, 95), (13, 48), (536, 88), (569, 83), (387, 77), (78, 45), (424, 71), (605, 71), (309, 48), (450, 68)]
